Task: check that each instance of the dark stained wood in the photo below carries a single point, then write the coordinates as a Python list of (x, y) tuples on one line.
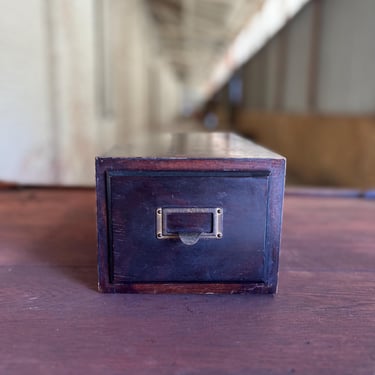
[(190, 288), (138, 256), (188, 170), (53, 320), (192, 145)]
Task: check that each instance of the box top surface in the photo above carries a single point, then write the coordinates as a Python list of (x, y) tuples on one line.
[(191, 145)]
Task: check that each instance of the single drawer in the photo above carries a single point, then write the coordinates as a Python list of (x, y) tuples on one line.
[(189, 203), (170, 225)]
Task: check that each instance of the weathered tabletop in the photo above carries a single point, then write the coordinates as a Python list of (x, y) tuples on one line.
[(53, 321)]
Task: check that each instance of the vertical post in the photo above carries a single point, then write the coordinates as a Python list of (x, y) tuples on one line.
[(53, 91), (281, 69), (313, 68)]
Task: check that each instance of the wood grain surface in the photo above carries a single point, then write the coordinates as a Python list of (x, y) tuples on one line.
[(53, 320), (313, 144), (221, 145)]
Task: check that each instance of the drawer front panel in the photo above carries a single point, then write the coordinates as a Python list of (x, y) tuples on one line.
[(235, 254)]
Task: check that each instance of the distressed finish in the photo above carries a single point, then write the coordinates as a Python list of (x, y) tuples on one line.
[(195, 170), (53, 320)]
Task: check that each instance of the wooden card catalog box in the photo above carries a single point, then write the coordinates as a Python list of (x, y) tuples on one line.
[(189, 213)]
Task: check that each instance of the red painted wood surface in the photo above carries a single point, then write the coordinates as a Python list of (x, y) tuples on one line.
[(53, 321)]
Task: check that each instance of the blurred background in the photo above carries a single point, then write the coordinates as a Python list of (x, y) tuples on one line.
[(77, 77)]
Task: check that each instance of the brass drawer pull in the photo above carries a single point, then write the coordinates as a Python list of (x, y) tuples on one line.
[(189, 224)]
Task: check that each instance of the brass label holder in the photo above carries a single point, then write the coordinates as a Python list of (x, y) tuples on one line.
[(189, 237)]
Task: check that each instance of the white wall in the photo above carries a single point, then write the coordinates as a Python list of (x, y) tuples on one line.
[(345, 74), (297, 61), (75, 78), (272, 59), (27, 134), (129, 51), (140, 75), (347, 69)]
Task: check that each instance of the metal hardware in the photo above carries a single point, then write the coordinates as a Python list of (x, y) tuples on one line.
[(189, 238)]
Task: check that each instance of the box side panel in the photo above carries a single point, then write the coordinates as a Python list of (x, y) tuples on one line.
[(102, 227), (274, 223)]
